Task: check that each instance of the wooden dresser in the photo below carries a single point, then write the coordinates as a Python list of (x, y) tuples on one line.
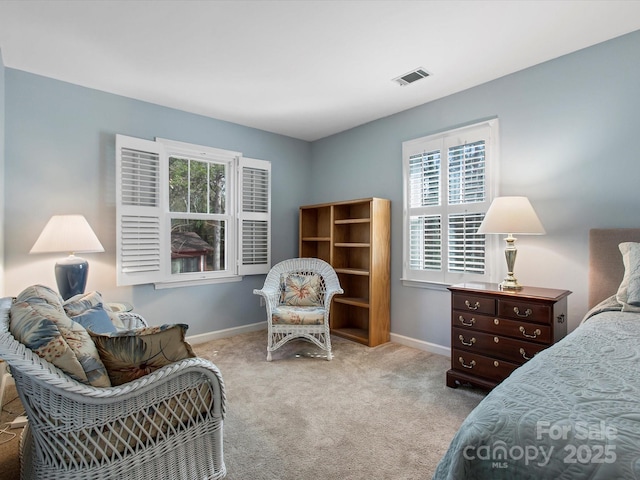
[(493, 331)]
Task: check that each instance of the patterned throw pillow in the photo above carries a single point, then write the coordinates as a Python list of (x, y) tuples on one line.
[(132, 354), (82, 302), (40, 323), (291, 315), (301, 290), (96, 320), (629, 289)]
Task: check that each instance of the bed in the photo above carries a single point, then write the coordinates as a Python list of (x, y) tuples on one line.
[(573, 411)]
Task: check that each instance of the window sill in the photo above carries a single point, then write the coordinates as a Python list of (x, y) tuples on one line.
[(196, 282), (442, 287)]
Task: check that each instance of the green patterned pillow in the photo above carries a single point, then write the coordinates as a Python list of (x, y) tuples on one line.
[(132, 354), (301, 290), (40, 323)]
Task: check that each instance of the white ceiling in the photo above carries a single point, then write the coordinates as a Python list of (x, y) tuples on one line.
[(306, 69)]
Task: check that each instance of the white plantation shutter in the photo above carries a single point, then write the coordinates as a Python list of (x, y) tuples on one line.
[(426, 243), (468, 188), (139, 177), (424, 178), (466, 247), (448, 189), (254, 218), (425, 231), (467, 179)]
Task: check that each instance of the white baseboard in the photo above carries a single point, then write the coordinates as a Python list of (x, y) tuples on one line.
[(395, 338), (421, 345), (228, 332)]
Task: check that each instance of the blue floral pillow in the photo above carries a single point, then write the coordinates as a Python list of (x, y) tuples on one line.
[(82, 302), (40, 323), (96, 320)]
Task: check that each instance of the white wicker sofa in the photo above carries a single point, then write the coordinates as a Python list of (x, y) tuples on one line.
[(164, 424)]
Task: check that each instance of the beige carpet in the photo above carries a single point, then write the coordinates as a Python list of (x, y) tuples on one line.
[(381, 412), (10, 438)]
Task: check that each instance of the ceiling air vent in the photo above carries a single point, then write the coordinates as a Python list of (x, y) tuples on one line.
[(411, 77)]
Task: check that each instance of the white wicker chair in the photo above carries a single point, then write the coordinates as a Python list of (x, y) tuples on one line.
[(168, 424), (280, 333)]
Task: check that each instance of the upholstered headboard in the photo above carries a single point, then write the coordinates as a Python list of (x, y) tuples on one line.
[(605, 261)]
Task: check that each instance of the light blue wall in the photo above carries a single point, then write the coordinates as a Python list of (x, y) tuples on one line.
[(568, 133), (2, 188), (60, 159), (569, 141)]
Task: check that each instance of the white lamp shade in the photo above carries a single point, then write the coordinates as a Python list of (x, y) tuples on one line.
[(67, 233), (511, 215)]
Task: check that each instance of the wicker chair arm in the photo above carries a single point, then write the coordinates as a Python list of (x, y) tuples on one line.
[(132, 320), (271, 296), (142, 386), (331, 291)]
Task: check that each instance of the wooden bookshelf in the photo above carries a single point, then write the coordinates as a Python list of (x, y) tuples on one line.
[(354, 236)]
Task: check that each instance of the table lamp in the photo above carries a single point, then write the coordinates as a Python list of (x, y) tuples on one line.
[(72, 234), (511, 215)]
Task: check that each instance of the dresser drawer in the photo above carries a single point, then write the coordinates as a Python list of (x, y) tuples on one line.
[(500, 326), (506, 348), (474, 303), (531, 312), (472, 363)]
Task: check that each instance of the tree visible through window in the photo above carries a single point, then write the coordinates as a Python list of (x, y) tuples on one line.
[(197, 187)]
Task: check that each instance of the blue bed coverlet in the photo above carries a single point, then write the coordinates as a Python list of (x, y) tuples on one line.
[(572, 412)]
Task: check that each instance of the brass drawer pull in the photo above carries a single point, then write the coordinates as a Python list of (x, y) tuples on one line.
[(466, 324), (526, 313), (524, 354), (470, 307), (536, 332), (471, 365), (469, 343)]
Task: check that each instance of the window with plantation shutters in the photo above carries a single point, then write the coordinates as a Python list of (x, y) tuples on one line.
[(448, 187), (189, 214)]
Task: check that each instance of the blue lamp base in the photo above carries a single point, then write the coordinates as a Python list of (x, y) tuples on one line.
[(71, 276)]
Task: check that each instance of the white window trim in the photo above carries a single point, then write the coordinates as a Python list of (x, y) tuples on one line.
[(160, 274), (442, 279)]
